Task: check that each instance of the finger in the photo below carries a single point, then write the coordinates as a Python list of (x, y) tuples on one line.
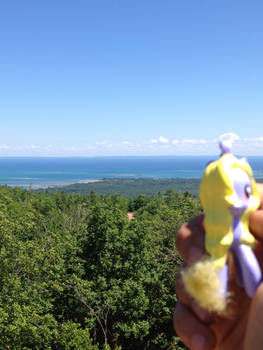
[(256, 218), (190, 239), (260, 190), (254, 336), (189, 301), (256, 224), (258, 250), (193, 333)]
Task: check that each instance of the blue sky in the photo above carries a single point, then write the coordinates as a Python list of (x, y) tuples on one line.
[(141, 77)]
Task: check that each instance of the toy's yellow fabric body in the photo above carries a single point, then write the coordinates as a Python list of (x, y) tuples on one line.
[(202, 283), (218, 220)]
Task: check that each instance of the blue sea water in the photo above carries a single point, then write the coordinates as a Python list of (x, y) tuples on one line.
[(44, 171)]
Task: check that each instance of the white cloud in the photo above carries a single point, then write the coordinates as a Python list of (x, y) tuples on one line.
[(32, 147), (175, 142), (4, 147), (128, 143), (257, 144), (101, 143), (194, 141), (256, 139), (161, 139)]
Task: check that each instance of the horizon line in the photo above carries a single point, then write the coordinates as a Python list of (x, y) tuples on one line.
[(123, 156)]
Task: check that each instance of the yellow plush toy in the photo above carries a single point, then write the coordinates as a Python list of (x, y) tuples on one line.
[(228, 195)]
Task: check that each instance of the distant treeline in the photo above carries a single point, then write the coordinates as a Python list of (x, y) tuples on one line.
[(131, 187)]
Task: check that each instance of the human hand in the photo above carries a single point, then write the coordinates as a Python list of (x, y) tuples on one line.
[(241, 328)]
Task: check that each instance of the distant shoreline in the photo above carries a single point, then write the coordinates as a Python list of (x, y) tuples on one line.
[(36, 186)]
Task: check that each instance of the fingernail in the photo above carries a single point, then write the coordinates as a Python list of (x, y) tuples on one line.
[(194, 255), (198, 342)]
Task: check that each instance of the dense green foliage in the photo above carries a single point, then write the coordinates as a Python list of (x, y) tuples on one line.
[(77, 274), (131, 187)]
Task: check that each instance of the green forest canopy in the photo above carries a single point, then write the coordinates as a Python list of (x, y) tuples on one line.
[(77, 274)]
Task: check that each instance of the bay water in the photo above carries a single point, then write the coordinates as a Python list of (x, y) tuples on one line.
[(41, 172)]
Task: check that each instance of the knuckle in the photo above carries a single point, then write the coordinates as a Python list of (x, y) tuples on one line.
[(181, 236)]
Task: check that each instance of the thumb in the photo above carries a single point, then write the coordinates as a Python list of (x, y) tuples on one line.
[(254, 334), (256, 224), (256, 218)]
